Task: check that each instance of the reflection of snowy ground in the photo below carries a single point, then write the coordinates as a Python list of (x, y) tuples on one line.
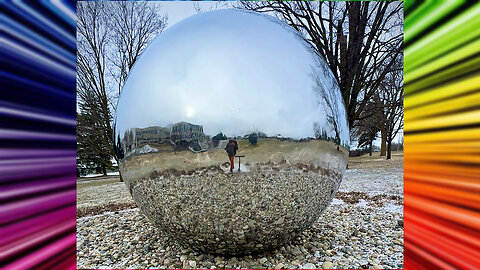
[(243, 168), (362, 228)]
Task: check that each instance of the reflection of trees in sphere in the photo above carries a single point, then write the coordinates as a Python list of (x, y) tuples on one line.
[(253, 138), (231, 75)]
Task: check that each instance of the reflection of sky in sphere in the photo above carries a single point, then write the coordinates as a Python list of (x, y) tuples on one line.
[(230, 71)]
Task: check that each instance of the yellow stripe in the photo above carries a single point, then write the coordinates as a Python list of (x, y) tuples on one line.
[(466, 118), (443, 107), (444, 136), (448, 90)]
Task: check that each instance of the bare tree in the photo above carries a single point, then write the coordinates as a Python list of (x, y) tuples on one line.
[(134, 25), (359, 40), (110, 38), (216, 5), (391, 102), (93, 29), (327, 96), (368, 127)]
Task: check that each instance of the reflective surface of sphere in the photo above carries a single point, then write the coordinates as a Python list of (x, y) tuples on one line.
[(231, 85)]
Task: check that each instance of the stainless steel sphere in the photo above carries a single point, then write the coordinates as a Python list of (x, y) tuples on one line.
[(231, 75)]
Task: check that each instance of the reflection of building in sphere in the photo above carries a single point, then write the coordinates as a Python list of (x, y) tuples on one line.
[(182, 135), (140, 137), (184, 131), (188, 136)]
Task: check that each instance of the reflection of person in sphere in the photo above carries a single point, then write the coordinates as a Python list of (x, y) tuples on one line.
[(231, 149)]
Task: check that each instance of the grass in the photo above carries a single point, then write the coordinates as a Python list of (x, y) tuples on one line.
[(374, 161), (99, 181)]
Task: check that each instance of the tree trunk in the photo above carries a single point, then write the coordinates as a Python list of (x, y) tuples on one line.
[(383, 146), (370, 154), (389, 147), (104, 170)]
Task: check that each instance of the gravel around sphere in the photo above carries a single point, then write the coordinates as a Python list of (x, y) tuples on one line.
[(361, 228), (346, 236)]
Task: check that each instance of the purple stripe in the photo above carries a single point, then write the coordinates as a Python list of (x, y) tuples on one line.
[(32, 240), (43, 254), (36, 160), (45, 116), (29, 153), (28, 188), (21, 209), (12, 173), (32, 135), (26, 227)]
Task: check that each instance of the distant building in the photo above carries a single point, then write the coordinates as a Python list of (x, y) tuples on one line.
[(182, 135), (187, 132)]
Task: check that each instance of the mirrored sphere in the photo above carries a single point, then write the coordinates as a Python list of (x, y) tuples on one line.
[(227, 86)]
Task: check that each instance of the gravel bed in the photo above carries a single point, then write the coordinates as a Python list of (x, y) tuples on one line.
[(362, 228), (366, 237)]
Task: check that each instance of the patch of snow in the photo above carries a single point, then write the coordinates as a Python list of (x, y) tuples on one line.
[(97, 175), (336, 201), (362, 203), (388, 181), (392, 207)]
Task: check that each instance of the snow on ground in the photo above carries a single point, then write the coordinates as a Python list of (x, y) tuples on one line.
[(362, 228), (102, 192), (374, 181), (97, 175)]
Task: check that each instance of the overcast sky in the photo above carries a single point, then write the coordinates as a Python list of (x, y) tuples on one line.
[(179, 10), (233, 72)]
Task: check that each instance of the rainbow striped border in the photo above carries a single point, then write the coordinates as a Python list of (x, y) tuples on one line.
[(442, 135), (38, 135)]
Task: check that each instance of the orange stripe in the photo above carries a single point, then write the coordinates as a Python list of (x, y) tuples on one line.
[(463, 198), (457, 182), (455, 214)]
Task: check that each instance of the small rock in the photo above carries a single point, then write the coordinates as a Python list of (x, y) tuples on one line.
[(295, 263), (327, 265), (397, 242), (257, 266), (263, 260), (309, 266), (192, 264), (296, 251)]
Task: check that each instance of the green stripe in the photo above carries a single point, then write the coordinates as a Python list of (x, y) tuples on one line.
[(426, 15), (462, 28)]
